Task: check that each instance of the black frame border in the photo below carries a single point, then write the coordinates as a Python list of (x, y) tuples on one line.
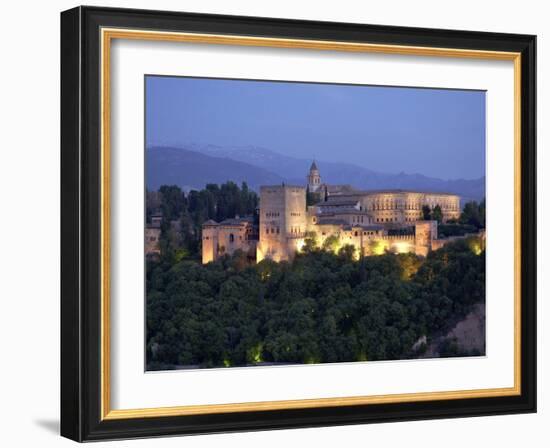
[(81, 224)]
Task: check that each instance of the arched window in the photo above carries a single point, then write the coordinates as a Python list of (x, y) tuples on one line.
[(231, 238)]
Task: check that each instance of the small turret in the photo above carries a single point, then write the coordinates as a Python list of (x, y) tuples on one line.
[(314, 178)]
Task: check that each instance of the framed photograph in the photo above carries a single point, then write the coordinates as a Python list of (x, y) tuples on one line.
[(274, 223)]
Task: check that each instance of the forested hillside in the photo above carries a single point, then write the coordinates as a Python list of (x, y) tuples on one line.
[(322, 307)]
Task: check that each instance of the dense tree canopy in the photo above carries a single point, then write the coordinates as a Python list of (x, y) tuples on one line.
[(183, 214), (473, 214), (471, 220), (435, 213), (321, 307)]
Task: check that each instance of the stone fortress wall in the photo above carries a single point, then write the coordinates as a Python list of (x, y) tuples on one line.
[(363, 219), (283, 221), (152, 236), (226, 237)]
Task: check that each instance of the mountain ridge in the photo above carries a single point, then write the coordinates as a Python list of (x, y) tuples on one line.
[(193, 170), (259, 166)]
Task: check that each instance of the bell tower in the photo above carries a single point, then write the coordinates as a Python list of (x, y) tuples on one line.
[(314, 178)]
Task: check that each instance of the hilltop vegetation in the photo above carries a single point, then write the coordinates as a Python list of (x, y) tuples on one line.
[(321, 307), (189, 211), (218, 202)]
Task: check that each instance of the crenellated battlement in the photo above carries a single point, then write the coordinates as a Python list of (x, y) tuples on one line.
[(341, 216), (398, 237)]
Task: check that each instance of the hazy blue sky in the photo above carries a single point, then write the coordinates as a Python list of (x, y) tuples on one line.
[(439, 133)]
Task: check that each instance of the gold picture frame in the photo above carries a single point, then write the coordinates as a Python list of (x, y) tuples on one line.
[(107, 26)]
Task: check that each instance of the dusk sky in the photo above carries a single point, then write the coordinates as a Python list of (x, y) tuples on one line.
[(435, 132)]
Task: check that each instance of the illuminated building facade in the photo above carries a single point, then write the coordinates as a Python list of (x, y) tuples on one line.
[(340, 215)]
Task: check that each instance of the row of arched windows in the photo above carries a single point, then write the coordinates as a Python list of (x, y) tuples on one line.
[(393, 205)]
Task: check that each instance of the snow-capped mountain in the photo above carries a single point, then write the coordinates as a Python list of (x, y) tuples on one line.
[(195, 165)]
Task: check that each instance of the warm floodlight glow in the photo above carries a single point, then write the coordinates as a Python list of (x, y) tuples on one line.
[(402, 247), (265, 274), (378, 247), (255, 353), (475, 245), (312, 360)]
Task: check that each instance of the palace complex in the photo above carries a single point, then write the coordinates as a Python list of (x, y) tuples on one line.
[(372, 221)]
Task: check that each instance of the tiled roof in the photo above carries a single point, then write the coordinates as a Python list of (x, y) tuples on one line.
[(370, 227), (282, 185), (345, 212), (237, 221), (338, 201), (210, 222), (339, 188), (397, 190), (332, 221)]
